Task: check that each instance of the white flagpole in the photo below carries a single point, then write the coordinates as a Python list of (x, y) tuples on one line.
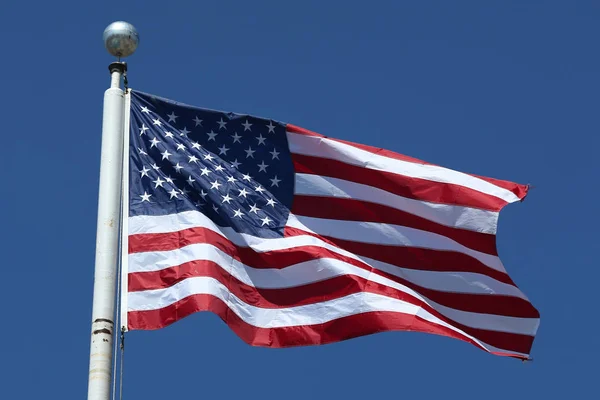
[(121, 40)]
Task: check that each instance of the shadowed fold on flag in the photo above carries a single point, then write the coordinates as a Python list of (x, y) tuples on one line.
[(294, 238)]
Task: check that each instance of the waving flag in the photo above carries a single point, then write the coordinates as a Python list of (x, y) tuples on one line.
[(294, 238)]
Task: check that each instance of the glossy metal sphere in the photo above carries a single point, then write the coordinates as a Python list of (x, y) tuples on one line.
[(121, 39)]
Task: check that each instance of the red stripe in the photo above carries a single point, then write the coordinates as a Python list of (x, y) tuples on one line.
[(332, 331), (401, 185), (412, 257), (330, 289), (145, 242), (302, 131), (404, 257), (519, 190), (490, 304), (356, 210)]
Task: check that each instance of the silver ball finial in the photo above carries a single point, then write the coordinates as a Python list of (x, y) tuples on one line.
[(121, 39)]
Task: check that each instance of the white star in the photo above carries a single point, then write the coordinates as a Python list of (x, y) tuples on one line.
[(205, 171), (275, 181), (215, 208), (208, 157), (218, 168), (203, 193), (196, 145), (174, 193), (222, 124), (180, 146), (172, 117), (143, 129), (169, 135), (141, 151), (262, 167), (250, 152), (271, 203), (184, 131), (254, 209), (145, 110), (193, 159), (231, 179), (158, 182), (235, 164), (247, 126), (261, 139), (184, 191), (246, 177), (226, 198), (238, 213), (275, 154), (154, 142), (155, 167), (178, 167), (191, 180), (215, 185), (243, 193), (198, 121), (271, 127), (144, 172), (266, 221), (145, 197), (223, 150), (166, 155), (236, 137), (211, 135), (259, 189), (157, 122), (169, 179), (199, 204)]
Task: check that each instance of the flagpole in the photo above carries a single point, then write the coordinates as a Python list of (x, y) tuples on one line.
[(121, 40)]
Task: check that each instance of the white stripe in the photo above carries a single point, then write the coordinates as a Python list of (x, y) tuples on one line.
[(194, 219), (315, 271), (460, 282), (170, 222), (311, 314), (349, 230), (331, 149), (388, 234), (469, 218), (451, 282)]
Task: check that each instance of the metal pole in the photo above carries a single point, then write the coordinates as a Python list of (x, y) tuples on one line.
[(121, 40), (107, 238)]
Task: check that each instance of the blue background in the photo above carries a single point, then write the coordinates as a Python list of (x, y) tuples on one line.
[(507, 89)]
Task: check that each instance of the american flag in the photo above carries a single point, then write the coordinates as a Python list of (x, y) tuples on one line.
[(294, 238)]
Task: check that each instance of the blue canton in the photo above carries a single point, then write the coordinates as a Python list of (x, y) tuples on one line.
[(235, 169)]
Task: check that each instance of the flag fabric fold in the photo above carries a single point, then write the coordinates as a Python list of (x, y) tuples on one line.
[(294, 238)]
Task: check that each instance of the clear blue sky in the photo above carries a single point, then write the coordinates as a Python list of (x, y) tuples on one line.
[(507, 89)]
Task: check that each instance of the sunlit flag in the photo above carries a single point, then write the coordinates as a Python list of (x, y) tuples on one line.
[(294, 238)]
